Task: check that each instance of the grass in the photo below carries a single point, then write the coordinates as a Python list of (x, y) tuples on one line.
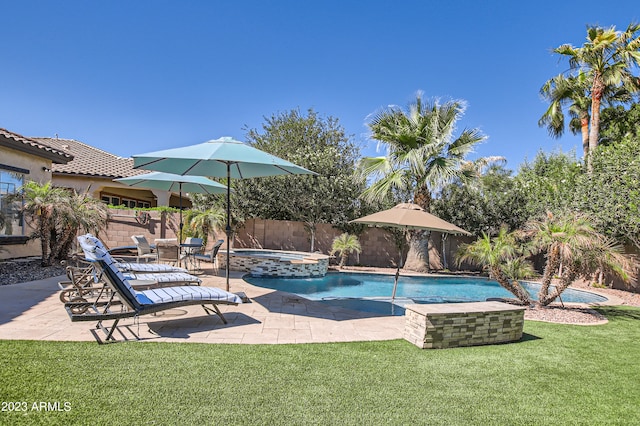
[(558, 374)]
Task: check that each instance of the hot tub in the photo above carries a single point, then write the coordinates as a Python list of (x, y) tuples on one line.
[(275, 263)]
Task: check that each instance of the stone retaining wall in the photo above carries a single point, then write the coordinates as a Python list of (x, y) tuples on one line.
[(313, 265), (449, 325)]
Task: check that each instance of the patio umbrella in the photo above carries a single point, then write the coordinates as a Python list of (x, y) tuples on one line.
[(224, 157), (173, 183), (409, 216)]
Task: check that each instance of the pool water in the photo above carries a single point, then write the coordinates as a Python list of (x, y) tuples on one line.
[(372, 292)]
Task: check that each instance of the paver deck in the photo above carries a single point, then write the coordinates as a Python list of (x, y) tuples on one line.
[(33, 311)]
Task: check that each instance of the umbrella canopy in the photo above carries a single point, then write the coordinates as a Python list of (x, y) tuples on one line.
[(224, 157), (409, 216), (173, 183), (214, 157)]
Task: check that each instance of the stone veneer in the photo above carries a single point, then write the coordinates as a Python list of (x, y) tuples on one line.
[(449, 325), (310, 265)]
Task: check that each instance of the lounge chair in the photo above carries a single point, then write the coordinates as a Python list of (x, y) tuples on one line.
[(160, 273), (136, 303)]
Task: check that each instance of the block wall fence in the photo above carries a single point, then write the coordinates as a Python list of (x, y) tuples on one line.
[(378, 247)]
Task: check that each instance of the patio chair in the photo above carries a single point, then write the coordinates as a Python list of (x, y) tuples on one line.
[(134, 303), (144, 249), (168, 252), (212, 256)]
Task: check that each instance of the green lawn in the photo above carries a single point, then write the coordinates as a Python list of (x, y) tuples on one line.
[(558, 374)]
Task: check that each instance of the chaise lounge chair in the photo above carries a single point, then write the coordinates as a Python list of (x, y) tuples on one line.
[(134, 303)]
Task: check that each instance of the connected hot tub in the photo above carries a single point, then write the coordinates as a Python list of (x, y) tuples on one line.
[(276, 263)]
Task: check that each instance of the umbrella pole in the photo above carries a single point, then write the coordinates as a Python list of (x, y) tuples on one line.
[(228, 229), (395, 285), (181, 224)]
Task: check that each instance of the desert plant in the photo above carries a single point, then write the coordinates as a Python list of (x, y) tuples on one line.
[(503, 257), (344, 245)]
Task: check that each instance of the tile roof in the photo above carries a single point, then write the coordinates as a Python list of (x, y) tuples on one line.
[(90, 161), (33, 146)]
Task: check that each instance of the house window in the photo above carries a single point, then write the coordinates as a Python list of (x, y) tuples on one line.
[(11, 200)]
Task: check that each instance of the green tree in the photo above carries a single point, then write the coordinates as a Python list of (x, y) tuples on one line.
[(548, 183), (318, 144), (503, 256), (344, 245), (573, 249), (618, 124), (610, 195), (483, 205), (423, 155), (607, 58), (41, 201)]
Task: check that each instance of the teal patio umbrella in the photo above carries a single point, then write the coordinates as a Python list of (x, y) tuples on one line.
[(224, 157), (172, 182)]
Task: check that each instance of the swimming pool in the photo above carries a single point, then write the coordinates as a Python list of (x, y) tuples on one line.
[(372, 292)]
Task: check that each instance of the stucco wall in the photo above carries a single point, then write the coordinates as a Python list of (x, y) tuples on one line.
[(39, 171)]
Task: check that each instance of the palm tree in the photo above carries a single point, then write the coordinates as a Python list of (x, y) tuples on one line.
[(41, 204), (423, 155), (607, 58), (76, 212), (503, 257), (572, 91), (573, 248), (345, 244), (202, 223)]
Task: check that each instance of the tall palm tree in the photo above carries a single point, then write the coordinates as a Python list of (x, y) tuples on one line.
[(607, 58), (423, 154), (561, 91), (574, 92), (41, 205), (501, 255), (573, 248)]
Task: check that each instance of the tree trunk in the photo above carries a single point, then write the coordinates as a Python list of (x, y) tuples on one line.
[(553, 260), (512, 287), (565, 282), (418, 256), (596, 97), (343, 259), (584, 129)]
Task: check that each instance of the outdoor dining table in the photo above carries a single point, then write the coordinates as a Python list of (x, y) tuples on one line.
[(189, 253)]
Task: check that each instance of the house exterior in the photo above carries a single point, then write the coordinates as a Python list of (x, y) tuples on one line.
[(92, 170), (22, 159)]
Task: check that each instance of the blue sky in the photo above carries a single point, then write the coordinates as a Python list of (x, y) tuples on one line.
[(136, 76)]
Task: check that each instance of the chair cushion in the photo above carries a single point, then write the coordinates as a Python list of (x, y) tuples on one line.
[(167, 277), (94, 250), (148, 267), (184, 293)]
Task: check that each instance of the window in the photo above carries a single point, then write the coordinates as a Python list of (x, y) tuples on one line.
[(11, 200)]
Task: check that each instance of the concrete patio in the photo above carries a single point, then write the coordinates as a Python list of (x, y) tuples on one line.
[(33, 311)]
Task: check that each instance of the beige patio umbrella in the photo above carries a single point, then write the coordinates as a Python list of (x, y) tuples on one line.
[(409, 216)]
